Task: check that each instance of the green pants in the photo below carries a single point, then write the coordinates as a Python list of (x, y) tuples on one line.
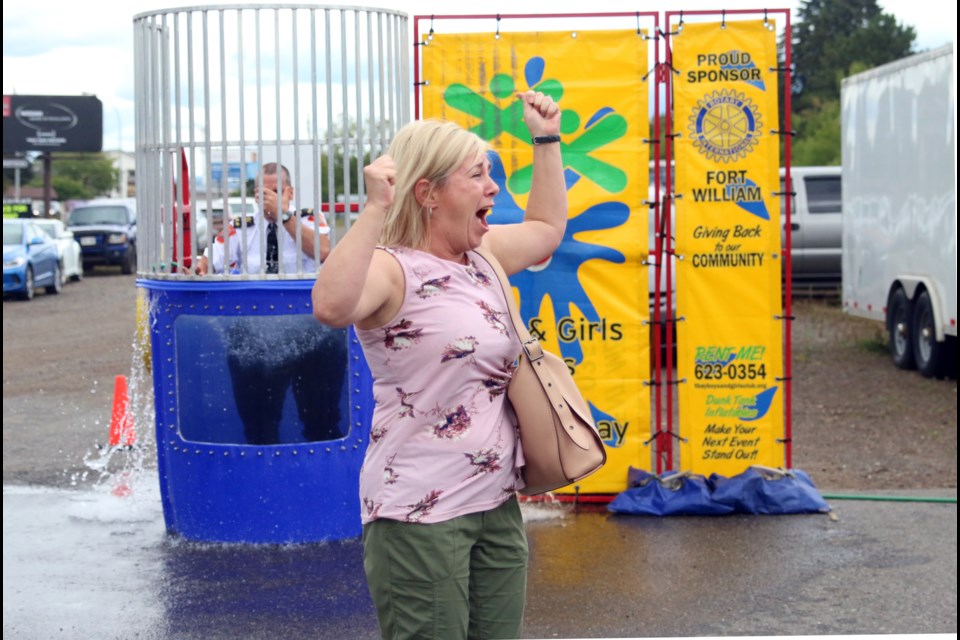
[(463, 578)]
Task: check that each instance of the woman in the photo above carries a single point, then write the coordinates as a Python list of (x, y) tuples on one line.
[(444, 546)]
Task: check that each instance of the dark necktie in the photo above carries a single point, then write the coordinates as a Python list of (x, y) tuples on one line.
[(272, 251)]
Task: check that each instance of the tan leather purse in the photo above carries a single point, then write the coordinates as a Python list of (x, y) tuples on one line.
[(557, 435)]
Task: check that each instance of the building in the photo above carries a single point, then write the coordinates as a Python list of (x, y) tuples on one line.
[(126, 162)]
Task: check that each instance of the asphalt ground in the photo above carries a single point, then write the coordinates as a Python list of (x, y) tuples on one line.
[(91, 564), (82, 562)]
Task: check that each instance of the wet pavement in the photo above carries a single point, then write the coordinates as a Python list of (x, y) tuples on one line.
[(91, 564)]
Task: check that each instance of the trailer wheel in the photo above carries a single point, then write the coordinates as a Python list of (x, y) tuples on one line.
[(898, 326), (929, 354)]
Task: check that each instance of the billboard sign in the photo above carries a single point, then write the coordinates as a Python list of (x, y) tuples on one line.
[(52, 123)]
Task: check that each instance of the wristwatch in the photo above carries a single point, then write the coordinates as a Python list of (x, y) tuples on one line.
[(545, 139), (286, 216)]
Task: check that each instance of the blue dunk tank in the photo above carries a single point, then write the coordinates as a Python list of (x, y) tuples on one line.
[(262, 413)]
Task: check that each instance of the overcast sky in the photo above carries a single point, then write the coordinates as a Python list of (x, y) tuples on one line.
[(64, 47)]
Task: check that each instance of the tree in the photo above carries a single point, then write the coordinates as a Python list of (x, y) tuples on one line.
[(344, 151), (818, 142), (355, 168), (81, 176), (831, 37)]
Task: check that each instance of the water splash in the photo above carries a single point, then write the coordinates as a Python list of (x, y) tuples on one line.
[(101, 504), (544, 508), (122, 468)]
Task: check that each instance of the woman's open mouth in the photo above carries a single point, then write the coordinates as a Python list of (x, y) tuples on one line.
[(482, 215)]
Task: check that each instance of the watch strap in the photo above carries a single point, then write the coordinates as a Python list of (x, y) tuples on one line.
[(545, 139)]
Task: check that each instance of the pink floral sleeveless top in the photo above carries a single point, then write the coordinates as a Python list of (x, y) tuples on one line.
[(442, 443)]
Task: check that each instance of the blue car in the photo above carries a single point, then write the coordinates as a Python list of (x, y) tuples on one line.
[(30, 260)]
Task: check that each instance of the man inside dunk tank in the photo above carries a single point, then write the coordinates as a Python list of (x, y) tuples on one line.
[(285, 373)]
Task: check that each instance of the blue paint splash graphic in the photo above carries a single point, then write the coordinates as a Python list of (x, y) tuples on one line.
[(533, 70), (761, 404), (558, 277), (602, 416), (737, 54), (753, 207)]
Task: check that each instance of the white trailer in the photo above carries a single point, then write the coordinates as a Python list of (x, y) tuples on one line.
[(898, 125)]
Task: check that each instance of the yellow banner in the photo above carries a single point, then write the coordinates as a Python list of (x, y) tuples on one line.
[(588, 302), (730, 344)]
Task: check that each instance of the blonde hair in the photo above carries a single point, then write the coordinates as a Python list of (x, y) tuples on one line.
[(425, 149)]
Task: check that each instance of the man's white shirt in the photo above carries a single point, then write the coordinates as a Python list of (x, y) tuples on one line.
[(250, 237)]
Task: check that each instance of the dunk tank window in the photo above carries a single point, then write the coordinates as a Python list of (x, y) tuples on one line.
[(261, 380)]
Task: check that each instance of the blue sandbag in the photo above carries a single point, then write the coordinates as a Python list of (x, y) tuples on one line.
[(768, 491), (672, 494)]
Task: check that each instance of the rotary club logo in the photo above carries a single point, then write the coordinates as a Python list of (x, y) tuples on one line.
[(725, 125)]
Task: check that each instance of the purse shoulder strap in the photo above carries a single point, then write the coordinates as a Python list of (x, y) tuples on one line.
[(531, 346), (518, 323), (534, 352)]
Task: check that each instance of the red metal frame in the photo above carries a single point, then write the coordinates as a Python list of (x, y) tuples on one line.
[(181, 257), (662, 445), (788, 257)]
